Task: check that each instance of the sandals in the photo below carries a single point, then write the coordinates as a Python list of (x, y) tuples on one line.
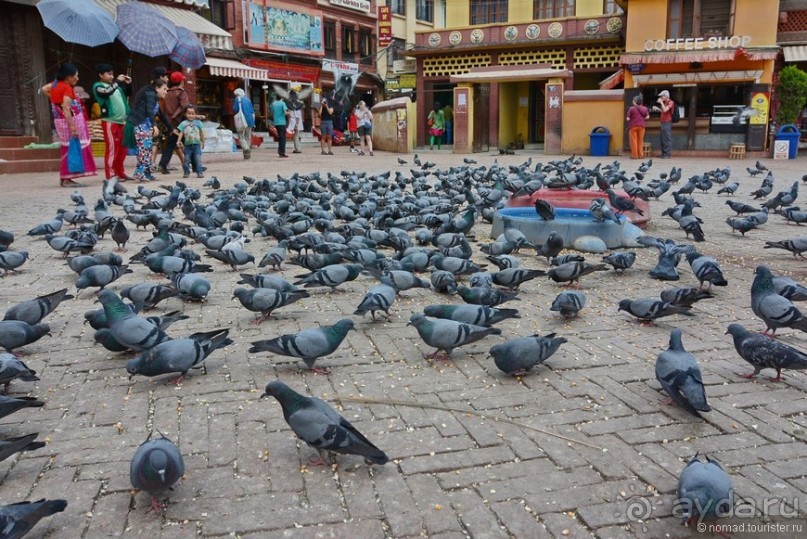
[(69, 183)]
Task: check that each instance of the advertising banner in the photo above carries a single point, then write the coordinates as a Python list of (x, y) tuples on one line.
[(384, 26), (279, 28)]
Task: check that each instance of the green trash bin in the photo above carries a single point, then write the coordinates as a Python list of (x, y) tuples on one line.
[(600, 138)]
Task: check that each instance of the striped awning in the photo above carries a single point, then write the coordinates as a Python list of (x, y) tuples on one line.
[(685, 57), (222, 67), (795, 53), (509, 74)]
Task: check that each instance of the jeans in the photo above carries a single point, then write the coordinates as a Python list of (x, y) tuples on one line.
[(168, 151), (281, 139), (448, 136), (666, 139), (193, 156)]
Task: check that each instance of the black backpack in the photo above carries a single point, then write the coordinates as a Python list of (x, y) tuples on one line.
[(676, 114)]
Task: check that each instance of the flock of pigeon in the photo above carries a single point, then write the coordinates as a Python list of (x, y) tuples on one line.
[(403, 231)]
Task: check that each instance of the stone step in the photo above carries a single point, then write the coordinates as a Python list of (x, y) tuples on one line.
[(21, 154), (30, 165), (16, 142)]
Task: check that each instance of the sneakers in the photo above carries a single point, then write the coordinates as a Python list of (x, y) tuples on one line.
[(296, 151), (284, 155), (186, 175)]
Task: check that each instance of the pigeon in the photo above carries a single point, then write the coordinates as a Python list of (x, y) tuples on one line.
[(266, 300), (775, 310), (309, 344), (147, 295), (445, 335), (130, 330), (481, 279), (267, 281), (6, 238), (601, 212), (741, 207), (191, 286), (330, 276), (552, 247), (649, 309), (321, 427), (742, 225), (476, 315), (100, 276), (512, 278), (569, 303), (178, 355), (104, 337), (17, 519), (796, 246), (81, 262), (571, 272), (378, 298), (706, 269), (684, 296), (234, 256), (155, 467), (452, 264), (51, 226), (704, 490), (12, 368), (729, 188), (489, 297), (620, 260), (11, 260), (10, 446), (621, 204), (562, 259), (9, 405), (401, 161), (32, 311), (274, 257), (790, 289), (402, 280), (443, 282), (764, 352), (678, 373), (545, 209), (120, 234), (518, 356), (16, 333), (505, 261), (67, 245)]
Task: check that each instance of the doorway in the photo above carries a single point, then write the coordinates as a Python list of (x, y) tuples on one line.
[(481, 140), (537, 112)]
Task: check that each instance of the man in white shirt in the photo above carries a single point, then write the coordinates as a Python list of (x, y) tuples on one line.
[(296, 119)]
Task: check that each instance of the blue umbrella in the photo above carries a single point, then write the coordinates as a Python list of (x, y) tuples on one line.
[(78, 21), (145, 30), (189, 51)]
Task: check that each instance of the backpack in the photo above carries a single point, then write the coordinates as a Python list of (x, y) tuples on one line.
[(676, 114)]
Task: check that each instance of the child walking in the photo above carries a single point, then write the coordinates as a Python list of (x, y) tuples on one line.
[(353, 129), (192, 137)]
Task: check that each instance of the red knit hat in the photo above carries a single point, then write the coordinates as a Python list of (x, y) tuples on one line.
[(176, 77)]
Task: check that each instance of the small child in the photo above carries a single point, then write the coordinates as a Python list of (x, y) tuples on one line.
[(192, 136), (352, 129)]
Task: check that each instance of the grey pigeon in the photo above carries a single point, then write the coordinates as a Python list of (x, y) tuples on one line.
[(741, 225), (33, 311), (9, 405), (321, 427), (552, 247), (678, 373), (706, 269), (402, 280), (100, 276), (795, 245), (120, 234), (443, 282), (512, 278), (11, 260), (518, 356), (445, 335), (81, 262), (12, 368), (234, 257), (274, 257), (67, 245), (331, 276), (764, 352), (178, 355), (544, 209), (452, 264), (130, 330), (790, 289), (476, 315), (191, 286), (378, 298), (505, 261), (490, 297), (649, 309), (704, 490), (602, 212), (571, 272), (266, 300), (775, 310), (563, 259), (148, 295), (19, 518), (267, 281), (481, 279), (620, 260), (569, 303), (9, 446), (16, 333), (686, 296), (155, 467), (51, 226), (309, 344), (104, 337)]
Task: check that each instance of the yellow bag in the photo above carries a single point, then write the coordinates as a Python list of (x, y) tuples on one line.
[(95, 112)]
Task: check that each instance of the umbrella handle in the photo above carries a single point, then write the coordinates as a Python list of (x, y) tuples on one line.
[(129, 67)]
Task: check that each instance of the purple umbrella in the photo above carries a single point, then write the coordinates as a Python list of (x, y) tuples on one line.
[(145, 30), (188, 51)]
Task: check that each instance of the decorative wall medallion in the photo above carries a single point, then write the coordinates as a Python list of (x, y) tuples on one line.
[(533, 31), (592, 26), (477, 36), (454, 37), (614, 25), (434, 39), (555, 30), (510, 33)]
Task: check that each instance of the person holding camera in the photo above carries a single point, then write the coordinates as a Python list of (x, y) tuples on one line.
[(665, 107), (112, 95)]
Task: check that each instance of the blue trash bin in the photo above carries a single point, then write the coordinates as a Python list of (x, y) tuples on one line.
[(790, 133), (600, 139)]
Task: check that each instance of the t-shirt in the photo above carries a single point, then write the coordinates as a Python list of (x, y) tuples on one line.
[(637, 115), (439, 120), (324, 114), (115, 103), (59, 91), (192, 132), (667, 116), (279, 112)]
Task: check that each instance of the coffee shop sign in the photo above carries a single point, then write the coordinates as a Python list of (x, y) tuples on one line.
[(696, 43)]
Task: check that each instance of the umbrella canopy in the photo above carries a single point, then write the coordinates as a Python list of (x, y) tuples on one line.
[(78, 21), (188, 51), (145, 30)]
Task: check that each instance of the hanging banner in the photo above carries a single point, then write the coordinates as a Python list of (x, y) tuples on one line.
[(275, 28), (384, 26), (358, 5), (349, 68)]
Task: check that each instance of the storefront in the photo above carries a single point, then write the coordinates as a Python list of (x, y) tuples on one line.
[(215, 83), (285, 76)]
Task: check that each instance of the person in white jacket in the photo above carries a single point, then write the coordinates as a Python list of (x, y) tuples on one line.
[(296, 119)]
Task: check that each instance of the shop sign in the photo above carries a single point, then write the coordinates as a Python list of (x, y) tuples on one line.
[(282, 71), (283, 29), (358, 5), (384, 26), (404, 66), (696, 43), (760, 103), (404, 82), (635, 69), (345, 68)]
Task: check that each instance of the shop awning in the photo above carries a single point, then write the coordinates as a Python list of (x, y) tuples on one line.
[(509, 74), (613, 80), (684, 57), (211, 36), (704, 77), (221, 67), (795, 53)]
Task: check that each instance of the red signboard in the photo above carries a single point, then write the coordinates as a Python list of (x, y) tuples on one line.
[(290, 72), (384, 26)]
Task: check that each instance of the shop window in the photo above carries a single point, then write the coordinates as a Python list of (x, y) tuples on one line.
[(398, 7), (396, 51), (348, 40), (700, 18), (424, 10), (329, 39), (217, 14), (488, 11), (610, 7), (366, 41), (553, 9)]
